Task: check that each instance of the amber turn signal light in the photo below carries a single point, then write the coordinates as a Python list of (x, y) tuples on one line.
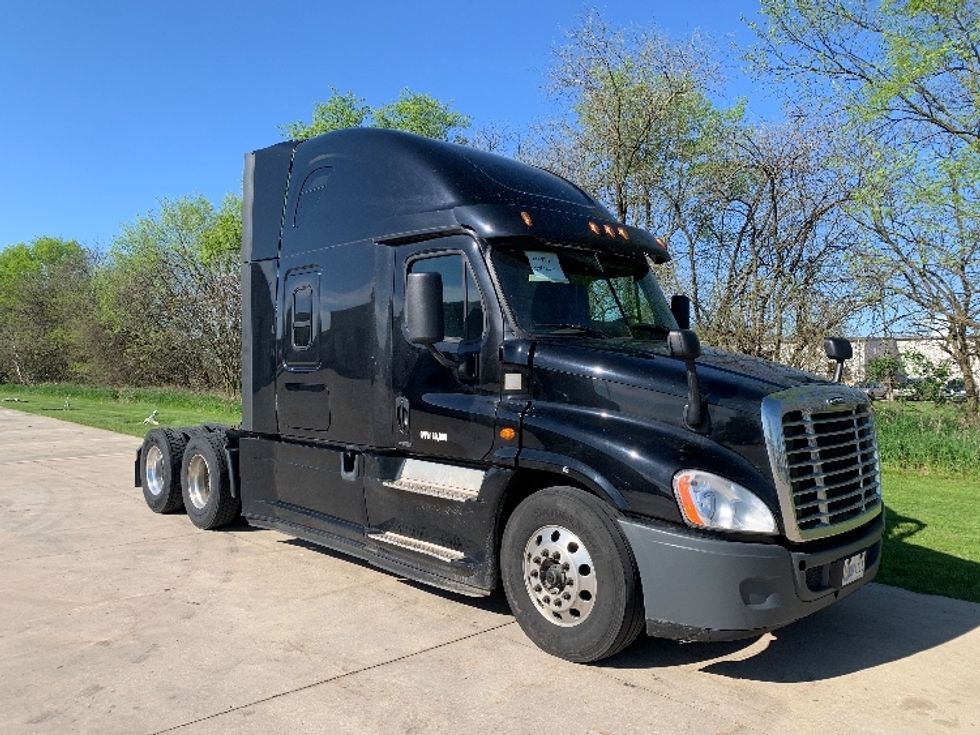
[(507, 434)]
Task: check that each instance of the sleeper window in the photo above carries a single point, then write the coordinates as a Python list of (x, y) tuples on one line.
[(303, 317)]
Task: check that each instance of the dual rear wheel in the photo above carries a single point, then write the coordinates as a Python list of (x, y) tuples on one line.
[(188, 469)]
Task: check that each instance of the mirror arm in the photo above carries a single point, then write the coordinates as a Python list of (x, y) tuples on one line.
[(693, 411), (440, 358)]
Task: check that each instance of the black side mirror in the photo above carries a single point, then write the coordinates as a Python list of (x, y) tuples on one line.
[(680, 307), (423, 308), (424, 315), (838, 349), (684, 343)]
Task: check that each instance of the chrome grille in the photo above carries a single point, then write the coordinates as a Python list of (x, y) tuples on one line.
[(824, 457)]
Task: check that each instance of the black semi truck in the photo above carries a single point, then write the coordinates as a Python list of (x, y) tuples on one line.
[(462, 369)]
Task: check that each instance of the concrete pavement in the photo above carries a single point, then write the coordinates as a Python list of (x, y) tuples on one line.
[(117, 620)]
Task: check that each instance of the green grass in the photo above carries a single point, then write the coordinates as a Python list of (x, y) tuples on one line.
[(931, 476), (121, 409), (932, 540), (924, 436)]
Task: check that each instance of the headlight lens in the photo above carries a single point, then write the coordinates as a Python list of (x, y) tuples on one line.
[(710, 501)]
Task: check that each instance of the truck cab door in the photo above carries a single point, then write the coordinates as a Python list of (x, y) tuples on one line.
[(440, 411)]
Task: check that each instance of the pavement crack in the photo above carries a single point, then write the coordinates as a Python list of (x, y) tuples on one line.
[(331, 679)]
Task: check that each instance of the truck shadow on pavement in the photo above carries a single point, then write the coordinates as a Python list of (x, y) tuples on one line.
[(877, 625)]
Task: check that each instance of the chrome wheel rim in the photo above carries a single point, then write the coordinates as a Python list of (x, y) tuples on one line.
[(154, 470), (198, 481), (560, 576)]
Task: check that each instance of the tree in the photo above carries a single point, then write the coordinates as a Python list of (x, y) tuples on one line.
[(414, 112), (422, 114), (169, 298), (44, 289), (906, 74), (885, 369), (340, 110), (633, 103), (754, 220)]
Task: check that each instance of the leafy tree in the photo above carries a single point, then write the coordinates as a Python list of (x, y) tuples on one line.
[(930, 376), (414, 112), (44, 287), (340, 110), (886, 369), (906, 76), (169, 298), (422, 114), (755, 221)]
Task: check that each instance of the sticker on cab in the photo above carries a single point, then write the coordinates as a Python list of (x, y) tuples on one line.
[(545, 267)]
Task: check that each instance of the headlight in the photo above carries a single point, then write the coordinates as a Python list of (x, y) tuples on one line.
[(709, 501)]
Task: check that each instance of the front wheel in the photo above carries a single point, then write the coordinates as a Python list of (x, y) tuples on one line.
[(569, 575)]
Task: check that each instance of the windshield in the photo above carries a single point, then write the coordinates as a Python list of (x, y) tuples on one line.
[(573, 291)]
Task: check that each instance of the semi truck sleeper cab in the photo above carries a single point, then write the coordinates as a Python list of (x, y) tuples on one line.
[(463, 370)]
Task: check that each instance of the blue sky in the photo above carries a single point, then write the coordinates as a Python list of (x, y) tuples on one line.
[(107, 107)]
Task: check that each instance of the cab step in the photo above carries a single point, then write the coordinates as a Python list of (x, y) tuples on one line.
[(438, 480), (443, 553)]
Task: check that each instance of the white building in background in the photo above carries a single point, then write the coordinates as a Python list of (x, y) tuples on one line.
[(868, 348)]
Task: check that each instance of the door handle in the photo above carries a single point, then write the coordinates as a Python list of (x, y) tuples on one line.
[(402, 414)]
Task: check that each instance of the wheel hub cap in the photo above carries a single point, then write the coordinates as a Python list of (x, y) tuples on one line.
[(559, 575), (198, 481), (154, 470)]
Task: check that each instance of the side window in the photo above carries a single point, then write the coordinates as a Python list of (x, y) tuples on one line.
[(302, 317), (300, 321), (462, 305)]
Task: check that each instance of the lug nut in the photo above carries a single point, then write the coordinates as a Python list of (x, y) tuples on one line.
[(534, 572), (547, 600), (557, 603), (556, 556), (566, 596), (537, 588), (565, 567), (536, 560)]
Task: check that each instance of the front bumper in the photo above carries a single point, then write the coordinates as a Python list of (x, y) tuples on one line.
[(701, 589)]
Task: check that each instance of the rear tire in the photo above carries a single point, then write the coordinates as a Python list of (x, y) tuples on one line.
[(570, 576), (160, 462), (205, 482)]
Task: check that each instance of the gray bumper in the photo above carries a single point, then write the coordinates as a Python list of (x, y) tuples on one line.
[(697, 588)]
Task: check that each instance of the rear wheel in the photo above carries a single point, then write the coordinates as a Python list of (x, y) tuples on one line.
[(569, 575), (205, 480), (160, 459)]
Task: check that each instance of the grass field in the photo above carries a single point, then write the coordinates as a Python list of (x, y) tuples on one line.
[(121, 409), (930, 458), (932, 541)]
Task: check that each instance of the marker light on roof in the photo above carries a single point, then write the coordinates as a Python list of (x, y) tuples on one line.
[(527, 219), (595, 228), (610, 230), (623, 233)]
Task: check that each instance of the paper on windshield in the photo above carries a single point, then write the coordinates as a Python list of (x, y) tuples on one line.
[(545, 267)]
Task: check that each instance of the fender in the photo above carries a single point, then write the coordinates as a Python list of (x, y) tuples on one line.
[(627, 460)]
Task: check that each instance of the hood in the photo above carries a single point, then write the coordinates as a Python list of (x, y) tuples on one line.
[(735, 382)]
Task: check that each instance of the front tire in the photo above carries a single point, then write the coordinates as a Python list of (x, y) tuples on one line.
[(569, 575), (205, 480)]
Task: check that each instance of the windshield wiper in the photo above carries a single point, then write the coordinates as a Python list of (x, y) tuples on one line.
[(580, 328)]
